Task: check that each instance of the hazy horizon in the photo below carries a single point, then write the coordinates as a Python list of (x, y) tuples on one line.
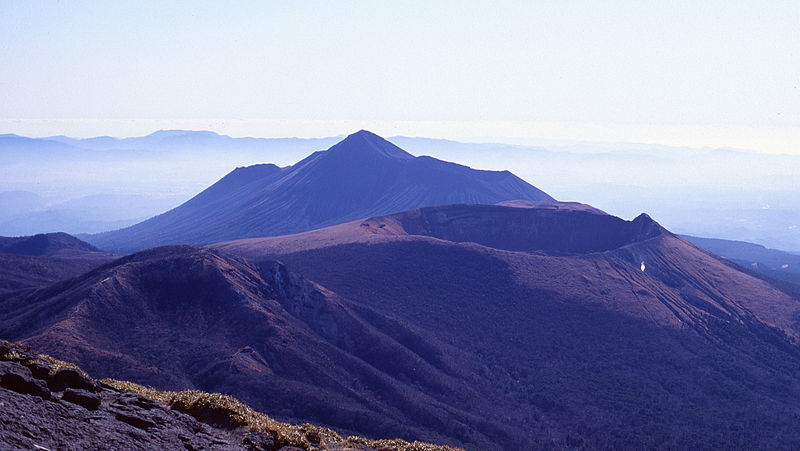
[(505, 140), (559, 135), (720, 74)]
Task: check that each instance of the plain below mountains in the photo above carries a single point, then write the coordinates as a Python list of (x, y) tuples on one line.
[(26, 213), (361, 176), (530, 325)]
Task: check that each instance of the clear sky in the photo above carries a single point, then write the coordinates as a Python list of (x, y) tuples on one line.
[(698, 73)]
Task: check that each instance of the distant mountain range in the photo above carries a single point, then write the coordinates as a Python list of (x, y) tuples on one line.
[(158, 141), (363, 175), (190, 140)]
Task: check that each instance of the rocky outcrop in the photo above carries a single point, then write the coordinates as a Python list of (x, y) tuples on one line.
[(46, 404)]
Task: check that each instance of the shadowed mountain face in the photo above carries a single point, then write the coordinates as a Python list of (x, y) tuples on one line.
[(641, 341), (362, 176)]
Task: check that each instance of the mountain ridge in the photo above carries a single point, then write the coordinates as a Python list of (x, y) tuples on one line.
[(181, 317)]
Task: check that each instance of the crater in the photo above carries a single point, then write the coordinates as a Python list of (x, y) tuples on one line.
[(557, 231)]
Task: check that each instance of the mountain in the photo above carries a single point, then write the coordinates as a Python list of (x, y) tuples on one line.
[(587, 331), (46, 245), (39, 260), (363, 175), (50, 404), (181, 317), (770, 262)]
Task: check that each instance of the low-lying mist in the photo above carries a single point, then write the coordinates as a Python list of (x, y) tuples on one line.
[(87, 186)]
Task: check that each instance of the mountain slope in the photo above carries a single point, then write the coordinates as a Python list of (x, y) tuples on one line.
[(364, 175), (591, 331), (191, 318)]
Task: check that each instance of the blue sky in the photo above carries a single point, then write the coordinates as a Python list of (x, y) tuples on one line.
[(698, 73)]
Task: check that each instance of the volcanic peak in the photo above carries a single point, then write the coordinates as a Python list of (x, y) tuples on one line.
[(364, 143)]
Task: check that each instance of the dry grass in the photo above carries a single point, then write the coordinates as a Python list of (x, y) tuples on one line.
[(228, 412), (10, 351)]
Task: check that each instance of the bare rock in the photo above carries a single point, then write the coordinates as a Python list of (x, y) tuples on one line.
[(39, 369), (133, 399), (82, 398), (19, 379), (71, 378), (258, 441), (135, 421)]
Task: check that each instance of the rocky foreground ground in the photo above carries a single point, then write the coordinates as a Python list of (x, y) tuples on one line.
[(47, 404)]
